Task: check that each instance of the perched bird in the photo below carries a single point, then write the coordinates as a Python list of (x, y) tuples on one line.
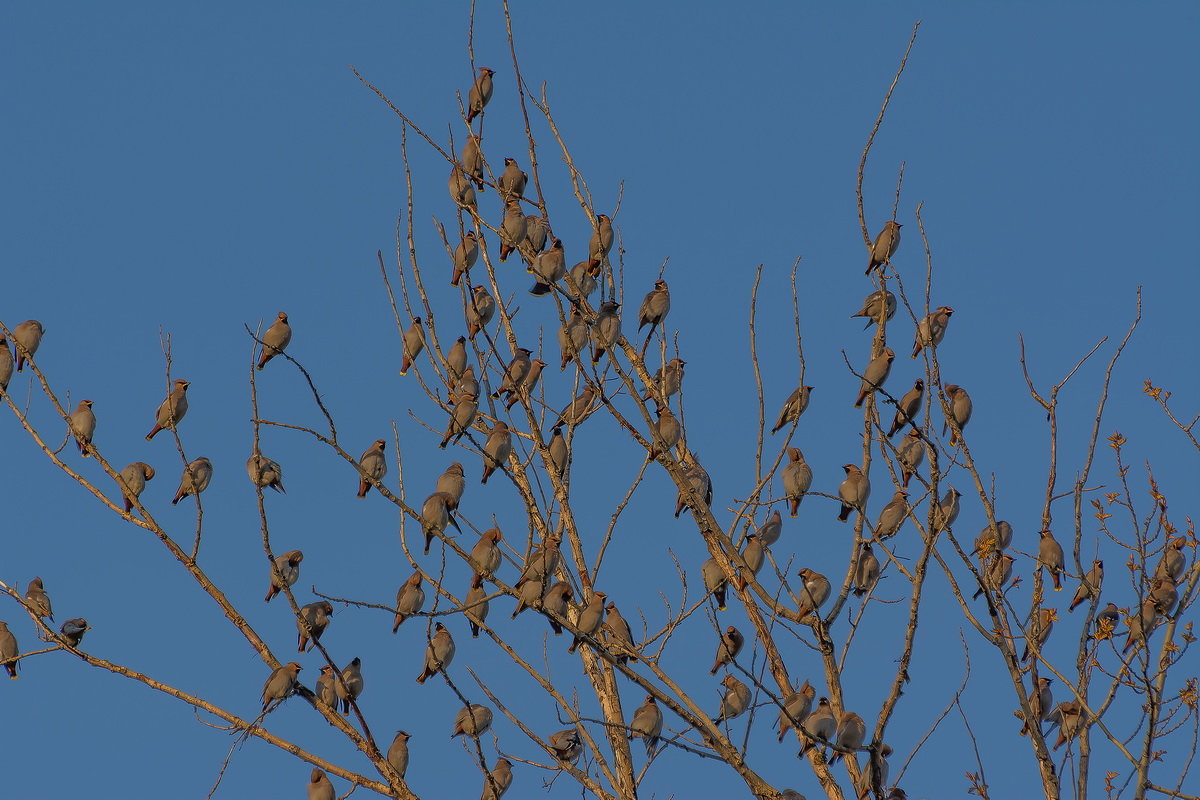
[(132, 481), (480, 308), (496, 782), (453, 483), (537, 231), (320, 787), (1165, 594), (196, 477), (73, 630), (461, 190), (265, 473), (172, 410), (566, 745), (465, 256), (755, 555), (1050, 556), (560, 453), (1038, 631), (512, 182), (311, 623), (875, 374), (512, 229), (456, 360), (414, 343), (853, 491), (461, 418), (1070, 719), (932, 329), (438, 654), (590, 619), (606, 332), (1106, 621), (467, 383), (946, 511), (866, 571), (280, 685), (771, 529), (735, 701), (6, 364), (471, 160), (795, 405), (435, 516), (473, 720), (647, 724), (728, 647), (542, 562), (1172, 562), (885, 245), (715, 581), (874, 305), (874, 776), (960, 410), (820, 726), (287, 567), (602, 240), (655, 306), (485, 555), (572, 336), (1041, 702), (814, 592), (325, 692), (515, 372), (910, 455), (578, 409), (83, 426), (350, 686), (791, 794), (582, 280), (496, 449), (850, 734), (618, 636), (1089, 586), (480, 94), (910, 405), (397, 754), (668, 379), (410, 599), (38, 600), (795, 708), (372, 466), (528, 384), (27, 338), (476, 605), (276, 339), (892, 517), (666, 430), (994, 538), (555, 604), (700, 484), (549, 268), (1142, 624), (997, 574), (797, 479)]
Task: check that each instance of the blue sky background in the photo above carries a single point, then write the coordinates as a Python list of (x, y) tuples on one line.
[(193, 167)]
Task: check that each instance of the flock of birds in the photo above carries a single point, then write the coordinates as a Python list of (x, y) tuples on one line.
[(596, 621)]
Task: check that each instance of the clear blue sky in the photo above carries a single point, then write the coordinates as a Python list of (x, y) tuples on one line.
[(194, 167)]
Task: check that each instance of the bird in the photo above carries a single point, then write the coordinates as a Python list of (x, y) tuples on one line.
[(795, 708), (480, 308), (485, 555), (668, 379), (885, 245), (480, 94), (1106, 620), (465, 256), (265, 473), (83, 426), (655, 307), (132, 481), (276, 339), (325, 692), (849, 736), (582, 280), (372, 466), (795, 405), (754, 554), (647, 724), (471, 160), (37, 599), (946, 511), (73, 630), (6, 364), (472, 720), (1041, 702), (1172, 562), (467, 383), (892, 517), (910, 455), (960, 410), (578, 409), (698, 482), (1142, 624), (9, 650), (438, 654), (1071, 720), (515, 372), (560, 453), (771, 529), (287, 566), (172, 410), (548, 267), (410, 598), (606, 331), (602, 240), (530, 595), (1050, 556), (1040, 626), (735, 701), (512, 182), (350, 686), (1165, 594), (397, 754), (414, 343), (932, 329), (542, 562), (814, 592), (866, 571), (196, 477), (311, 623), (462, 192), (618, 636), (496, 782), (728, 647), (512, 230), (566, 745), (875, 374), (496, 449), (537, 230), (853, 491), (572, 336), (909, 406), (997, 574), (280, 685), (27, 338), (873, 304), (320, 787), (435, 516), (667, 431), (461, 418), (555, 604), (453, 483), (1089, 586), (715, 581), (820, 725), (476, 605), (590, 619), (994, 538), (797, 479)]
